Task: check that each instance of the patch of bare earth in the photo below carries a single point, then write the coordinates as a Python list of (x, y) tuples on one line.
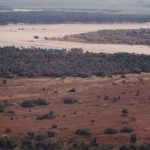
[(100, 104)]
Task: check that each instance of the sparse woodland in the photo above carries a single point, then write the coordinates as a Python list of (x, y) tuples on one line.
[(124, 36)]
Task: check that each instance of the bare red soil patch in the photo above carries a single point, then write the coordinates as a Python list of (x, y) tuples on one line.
[(99, 105)]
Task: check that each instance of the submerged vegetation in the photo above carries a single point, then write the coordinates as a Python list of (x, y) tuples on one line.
[(76, 63)]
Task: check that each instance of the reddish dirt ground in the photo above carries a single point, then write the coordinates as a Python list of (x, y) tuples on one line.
[(92, 110)]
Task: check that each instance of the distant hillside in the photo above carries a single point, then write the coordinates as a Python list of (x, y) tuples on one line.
[(104, 6), (129, 36), (49, 17)]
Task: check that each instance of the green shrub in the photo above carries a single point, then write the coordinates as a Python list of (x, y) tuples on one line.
[(8, 130), (144, 147), (40, 136), (126, 130), (81, 146), (124, 112), (49, 115), (47, 145), (51, 134), (123, 148), (36, 37), (69, 101), (33, 103), (72, 90), (133, 138), (30, 135), (7, 143), (40, 102), (110, 131), (26, 145), (94, 142), (3, 105), (133, 147), (27, 103), (84, 131), (54, 126)]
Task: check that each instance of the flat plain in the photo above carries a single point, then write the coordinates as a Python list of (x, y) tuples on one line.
[(24, 35), (99, 105)]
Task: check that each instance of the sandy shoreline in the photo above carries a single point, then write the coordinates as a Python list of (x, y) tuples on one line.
[(97, 48), (22, 35)]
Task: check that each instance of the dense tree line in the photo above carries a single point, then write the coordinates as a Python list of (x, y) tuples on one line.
[(124, 36), (49, 140), (67, 17), (57, 63)]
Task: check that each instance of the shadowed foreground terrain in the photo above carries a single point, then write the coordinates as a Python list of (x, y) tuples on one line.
[(75, 113)]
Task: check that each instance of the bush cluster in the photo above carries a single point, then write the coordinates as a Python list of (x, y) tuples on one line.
[(49, 115), (33, 103), (3, 105), (83, 131), (69, 100)]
